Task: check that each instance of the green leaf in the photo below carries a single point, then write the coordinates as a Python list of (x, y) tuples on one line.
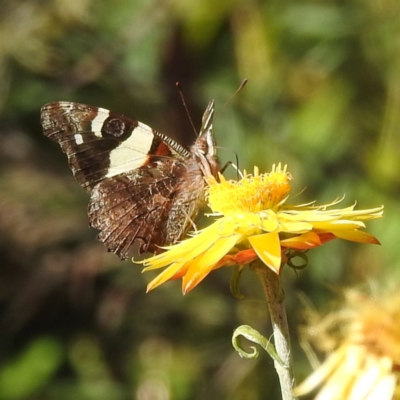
[(30, 370)]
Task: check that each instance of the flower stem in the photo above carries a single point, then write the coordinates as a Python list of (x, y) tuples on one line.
[(276, 303)]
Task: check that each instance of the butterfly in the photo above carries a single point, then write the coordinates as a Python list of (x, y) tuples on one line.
[(144, 187)]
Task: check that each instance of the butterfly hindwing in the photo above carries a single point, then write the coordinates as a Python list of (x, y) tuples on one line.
[(136, 206)]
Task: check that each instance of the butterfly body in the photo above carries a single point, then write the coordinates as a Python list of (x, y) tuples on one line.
[(143, 186)]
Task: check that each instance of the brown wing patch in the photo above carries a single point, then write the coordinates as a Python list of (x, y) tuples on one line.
[(136, 207)]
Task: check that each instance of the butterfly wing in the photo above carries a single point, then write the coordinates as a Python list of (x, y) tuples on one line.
[(144, 186), (101, 144), (143, 206)]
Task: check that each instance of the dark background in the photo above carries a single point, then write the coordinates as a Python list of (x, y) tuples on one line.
[(323, 97)]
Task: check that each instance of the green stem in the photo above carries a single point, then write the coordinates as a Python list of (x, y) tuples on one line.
[(276, 304)]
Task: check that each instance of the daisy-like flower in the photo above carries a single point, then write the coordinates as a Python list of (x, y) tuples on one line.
[(254, 222), (365, 362)]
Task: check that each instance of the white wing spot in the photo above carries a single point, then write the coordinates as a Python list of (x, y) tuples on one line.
[(132, 152), (78, 138), (97, 123)]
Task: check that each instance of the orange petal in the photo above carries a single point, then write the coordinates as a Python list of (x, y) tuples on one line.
[(245, 256), (180, 273), (240, 258), (326, 237), (302, 242)]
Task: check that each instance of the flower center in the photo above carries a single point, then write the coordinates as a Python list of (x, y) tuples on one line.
[(253, 193)]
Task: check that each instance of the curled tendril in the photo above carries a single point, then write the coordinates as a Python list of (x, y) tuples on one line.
[(297, 254), (253, 336)]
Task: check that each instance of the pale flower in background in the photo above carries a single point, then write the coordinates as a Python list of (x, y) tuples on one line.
[(363, 338)]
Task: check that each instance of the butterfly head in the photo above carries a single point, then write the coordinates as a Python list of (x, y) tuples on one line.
[(204, 149)]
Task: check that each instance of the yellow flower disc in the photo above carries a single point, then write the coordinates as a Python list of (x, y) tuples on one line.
[(253, 193)]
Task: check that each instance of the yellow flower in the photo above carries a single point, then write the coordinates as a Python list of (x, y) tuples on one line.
[(256, 223), (365, 362)]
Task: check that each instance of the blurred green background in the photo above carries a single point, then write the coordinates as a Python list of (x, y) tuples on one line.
[(323, 97)]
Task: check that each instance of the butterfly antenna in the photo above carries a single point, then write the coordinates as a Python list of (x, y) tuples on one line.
[(231, 164), (241, 86), (178, 86)]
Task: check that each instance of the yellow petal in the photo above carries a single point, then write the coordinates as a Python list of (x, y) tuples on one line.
[(356, 236), (308, 216), (340, 224), (200, 267), (241, 223), (184, 251), (268, 248), (270, 225), (164, 276), (294, 227)]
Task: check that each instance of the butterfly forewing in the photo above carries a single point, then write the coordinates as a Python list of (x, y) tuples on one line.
[(144, 186), (100, 143)]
